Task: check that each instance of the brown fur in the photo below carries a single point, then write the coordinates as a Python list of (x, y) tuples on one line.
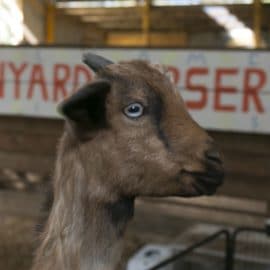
[(99, 172)]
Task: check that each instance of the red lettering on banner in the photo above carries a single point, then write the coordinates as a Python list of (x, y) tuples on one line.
[(175, 74), (2, 74), (201, 103), (251, 92), (78, 71), (17, 74), (37, 79), (223, 89), (60, 81)]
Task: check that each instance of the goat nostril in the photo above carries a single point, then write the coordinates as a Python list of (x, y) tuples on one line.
[(213, 154)]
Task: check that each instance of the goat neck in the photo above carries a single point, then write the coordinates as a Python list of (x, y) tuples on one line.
[(85, 228)]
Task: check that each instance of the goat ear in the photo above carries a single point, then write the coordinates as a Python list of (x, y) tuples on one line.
[(86, 108)]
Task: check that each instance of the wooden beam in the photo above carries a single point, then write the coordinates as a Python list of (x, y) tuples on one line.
[(257, 18), (146, 22), (165, 25), (50, 23), (109, 18), (190, 11), (121, 23), (103, 11), (183, 12), (156, 39), (155, 14)]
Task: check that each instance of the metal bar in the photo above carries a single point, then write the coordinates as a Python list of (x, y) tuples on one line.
[(195, 246)]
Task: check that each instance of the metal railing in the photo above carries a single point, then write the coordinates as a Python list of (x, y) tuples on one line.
[(195, 246), (239, 253)]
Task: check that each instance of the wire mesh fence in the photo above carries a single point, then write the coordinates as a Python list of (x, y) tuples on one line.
[(250, 249)]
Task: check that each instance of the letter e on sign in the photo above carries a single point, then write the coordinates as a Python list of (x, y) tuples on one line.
[(221, 89), (251, 90)]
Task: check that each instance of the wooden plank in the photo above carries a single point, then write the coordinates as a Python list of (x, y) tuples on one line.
[(242, 142), (41, 144), (242, 164), (246, 186), (199, 214), (22, 124), (27, 162), (224, 203), (21, 203)]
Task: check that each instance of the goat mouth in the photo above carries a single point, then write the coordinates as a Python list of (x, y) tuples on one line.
[(206, 183), (203, 188)]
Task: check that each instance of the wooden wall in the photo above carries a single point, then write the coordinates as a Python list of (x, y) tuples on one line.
[(28, 144)]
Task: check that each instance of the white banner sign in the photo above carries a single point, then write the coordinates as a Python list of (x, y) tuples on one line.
[(223, 90)]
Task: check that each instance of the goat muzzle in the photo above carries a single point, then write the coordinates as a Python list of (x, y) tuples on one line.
[(206, 182)]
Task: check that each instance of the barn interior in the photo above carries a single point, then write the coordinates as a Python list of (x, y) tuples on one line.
[(196, 29)]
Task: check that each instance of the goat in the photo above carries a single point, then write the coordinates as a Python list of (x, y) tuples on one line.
[(127, 134)]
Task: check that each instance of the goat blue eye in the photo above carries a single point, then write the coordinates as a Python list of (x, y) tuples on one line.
[(134, 110)]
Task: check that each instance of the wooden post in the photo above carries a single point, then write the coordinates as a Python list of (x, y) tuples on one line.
[(50, 23), (257, 16), (146, 22)]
